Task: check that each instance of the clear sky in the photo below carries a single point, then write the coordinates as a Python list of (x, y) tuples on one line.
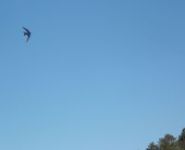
[(95, 75)]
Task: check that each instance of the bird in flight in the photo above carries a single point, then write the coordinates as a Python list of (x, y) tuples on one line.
[(27, 34)]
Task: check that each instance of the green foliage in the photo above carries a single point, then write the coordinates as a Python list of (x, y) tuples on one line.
[(181, 140), (169, 142), (152, 146)]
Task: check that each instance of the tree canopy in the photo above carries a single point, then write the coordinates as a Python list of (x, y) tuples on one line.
[(169, 142)]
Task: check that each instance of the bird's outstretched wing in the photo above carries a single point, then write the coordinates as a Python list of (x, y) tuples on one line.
[(26, 30)]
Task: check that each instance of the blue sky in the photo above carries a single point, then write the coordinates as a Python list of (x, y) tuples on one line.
[(95, 75)]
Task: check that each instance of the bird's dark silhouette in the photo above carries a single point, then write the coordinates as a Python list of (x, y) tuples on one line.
[(27, 33)]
